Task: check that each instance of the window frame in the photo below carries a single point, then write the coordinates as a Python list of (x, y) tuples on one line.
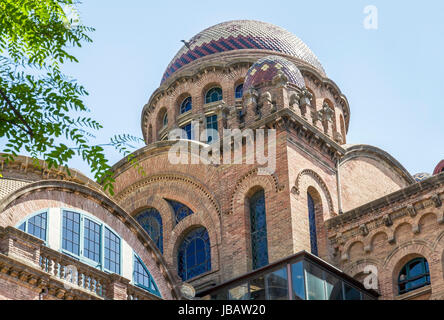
[(426, 273), (25, 220), (159, 220), (81, 257), (208, 91), (156, 290), (207, 117), (253, 233), (236, 91), (207, 260), (182, 103)]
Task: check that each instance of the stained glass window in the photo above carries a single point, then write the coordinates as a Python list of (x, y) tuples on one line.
[(194, 254), (312, 224), (165, 119), (143, 278), (151, 221), (415, 274), (211, 124), (186, 105), (71, 232), (112, 251), (36, 226), (259, 246), (180, 210), (213, 95), (239, 91)]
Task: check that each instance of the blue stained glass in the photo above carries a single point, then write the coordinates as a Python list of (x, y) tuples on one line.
[(112, 251), (194, 254), (213, 95), (259, 246), (151, 221), (71, 232), (180, 210), (239, 91), (312, 224), (186, 105)]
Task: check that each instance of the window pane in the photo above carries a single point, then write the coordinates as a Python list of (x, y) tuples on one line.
[(257, 288), (71, 232), (22, 227), (181, 211), (277, 282), (151, 222), (351, 293), (297, 279), (194, 254), (213, 95), (314, 283), (112, 251), (239, 91), (91, 240), (259, 245), (186, 105), (312, 225), (239, 292), (37, 226), (334, 287), (211, 128)]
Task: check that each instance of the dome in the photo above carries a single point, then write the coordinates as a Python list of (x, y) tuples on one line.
[(439, 168), (266, 68), (239, 35), (421, 176)]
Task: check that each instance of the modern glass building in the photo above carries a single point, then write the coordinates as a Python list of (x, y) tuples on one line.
[(302, 276)]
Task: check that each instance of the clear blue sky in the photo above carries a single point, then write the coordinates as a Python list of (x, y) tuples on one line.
[(392, 77)]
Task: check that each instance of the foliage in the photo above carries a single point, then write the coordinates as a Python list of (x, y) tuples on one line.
[(37, 99)]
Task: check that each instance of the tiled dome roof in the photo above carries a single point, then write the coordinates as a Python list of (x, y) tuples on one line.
[(266, 68), (238, 35), (439, 168), (421, 176)]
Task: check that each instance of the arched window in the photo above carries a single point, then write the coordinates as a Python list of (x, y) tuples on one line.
[(194, 254), (258, 223), (312, 224), (415, 274), (180, 210), (238, 92), (142, 277), (151, 221), (36, 225), (165, 119), (186, 105), (213, 95)]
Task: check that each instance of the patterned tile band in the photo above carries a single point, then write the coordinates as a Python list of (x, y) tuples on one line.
[(239, 35), (266, 68)]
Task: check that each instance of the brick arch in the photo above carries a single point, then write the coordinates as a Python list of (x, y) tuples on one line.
[(302, 184), (358, 266), (249, 180), (403, 253), (187, 183), (62, 194)]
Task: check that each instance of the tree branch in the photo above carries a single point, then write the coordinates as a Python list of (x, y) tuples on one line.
[(17, 113)]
